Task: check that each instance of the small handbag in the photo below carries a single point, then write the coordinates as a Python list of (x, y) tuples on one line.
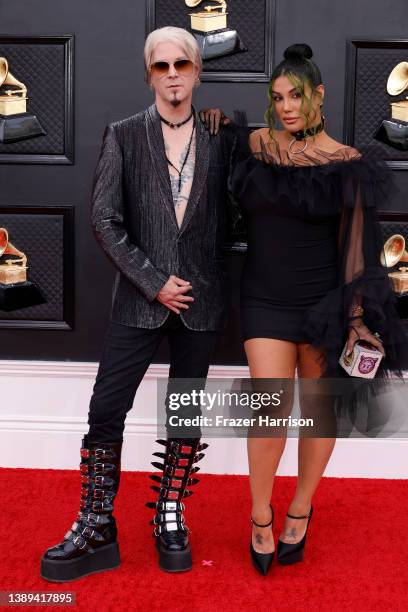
[(363, 360)]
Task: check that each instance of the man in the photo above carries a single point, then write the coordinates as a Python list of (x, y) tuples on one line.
[(158, 211)]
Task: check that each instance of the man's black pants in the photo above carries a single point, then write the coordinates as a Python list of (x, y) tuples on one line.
[(127, 354)]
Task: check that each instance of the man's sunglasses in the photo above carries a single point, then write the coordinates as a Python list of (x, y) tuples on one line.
[(182, 66)]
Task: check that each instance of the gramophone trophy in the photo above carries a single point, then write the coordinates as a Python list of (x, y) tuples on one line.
[(394, 252), (210, 29), (15, 290), (394, 131), (15, 122)]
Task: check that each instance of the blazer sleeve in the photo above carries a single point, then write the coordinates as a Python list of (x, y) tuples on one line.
[(108, 222)]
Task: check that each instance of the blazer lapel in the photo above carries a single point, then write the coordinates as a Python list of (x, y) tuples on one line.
[(158, 156), (200, 171)]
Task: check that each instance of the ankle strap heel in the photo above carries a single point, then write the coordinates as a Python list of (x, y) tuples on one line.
[(262, 561), (293, 553), (267, 524), (301, 517)]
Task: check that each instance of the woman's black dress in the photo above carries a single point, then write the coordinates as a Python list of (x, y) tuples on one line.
[(314, 246)]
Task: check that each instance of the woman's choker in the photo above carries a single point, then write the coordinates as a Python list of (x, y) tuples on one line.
[(313, 131), (303, 135)]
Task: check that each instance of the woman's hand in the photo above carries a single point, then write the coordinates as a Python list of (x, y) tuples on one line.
[(213, 117), (359, 331)]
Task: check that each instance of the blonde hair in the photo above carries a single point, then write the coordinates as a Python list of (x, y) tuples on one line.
[(178, 36)]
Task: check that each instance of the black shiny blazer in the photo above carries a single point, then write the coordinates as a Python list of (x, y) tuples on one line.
[(134, 221)]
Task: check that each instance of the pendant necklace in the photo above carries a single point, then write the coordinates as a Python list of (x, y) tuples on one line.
[(180, 172)]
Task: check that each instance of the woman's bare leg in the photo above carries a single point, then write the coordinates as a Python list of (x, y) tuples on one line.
[(313, 453), (267, 358)]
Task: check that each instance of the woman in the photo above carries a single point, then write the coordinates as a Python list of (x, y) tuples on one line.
[(312, 278)]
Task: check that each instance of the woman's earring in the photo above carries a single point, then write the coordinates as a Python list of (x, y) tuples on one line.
[(197, 83)]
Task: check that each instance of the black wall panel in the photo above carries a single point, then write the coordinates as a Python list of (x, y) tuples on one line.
[(108, 85)]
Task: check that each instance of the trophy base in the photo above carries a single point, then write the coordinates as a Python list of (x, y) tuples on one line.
[(219, 43), (21, 295), (393, 133), (19, 127)]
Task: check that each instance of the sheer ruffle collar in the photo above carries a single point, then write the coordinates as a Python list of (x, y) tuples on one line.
[(272, 153), (318, 181)]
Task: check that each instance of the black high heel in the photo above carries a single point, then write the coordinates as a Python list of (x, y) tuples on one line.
[(262, 561), (292, 553)]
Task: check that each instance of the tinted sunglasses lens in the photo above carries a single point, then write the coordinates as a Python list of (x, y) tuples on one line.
[(183, 66), (160, 68)]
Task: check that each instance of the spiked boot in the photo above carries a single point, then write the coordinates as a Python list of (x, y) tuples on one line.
[(170, 529)]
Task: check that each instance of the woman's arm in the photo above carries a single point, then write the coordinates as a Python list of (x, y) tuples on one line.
[(354, 223)]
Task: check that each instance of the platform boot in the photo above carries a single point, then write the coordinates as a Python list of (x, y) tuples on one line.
[(91, 544), (170, 530)]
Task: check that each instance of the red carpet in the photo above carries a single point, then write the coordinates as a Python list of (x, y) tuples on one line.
[(356, 554)]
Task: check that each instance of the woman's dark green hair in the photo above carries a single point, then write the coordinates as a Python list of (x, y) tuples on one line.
[(301, 71)]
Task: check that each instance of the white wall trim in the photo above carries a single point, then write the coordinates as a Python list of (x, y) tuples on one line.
[(44, 415), (87, 369)]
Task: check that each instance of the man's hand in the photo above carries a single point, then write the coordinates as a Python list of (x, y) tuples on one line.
[(212, 118), (172, 294), (359, 331)]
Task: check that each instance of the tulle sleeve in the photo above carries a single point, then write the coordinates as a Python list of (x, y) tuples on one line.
[(365, 185), (237, 136)]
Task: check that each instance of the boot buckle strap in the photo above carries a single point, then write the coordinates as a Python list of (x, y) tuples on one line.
[(170, 527), (181, 462), (166, 517), (186, 449), (170, 482), (101, 506), (78, 539), (92, 519), (103, 468), (170, 506), (176, 471), (87, 532), (165, 527), (98, 480), (97, 453), (169, 494)]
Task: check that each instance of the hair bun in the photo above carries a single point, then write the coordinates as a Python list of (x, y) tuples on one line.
[(299, 51)]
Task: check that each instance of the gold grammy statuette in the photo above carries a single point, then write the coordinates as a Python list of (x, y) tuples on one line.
[(15, 290), (394, 131), (394, 252), (209, 27), (15, 122)]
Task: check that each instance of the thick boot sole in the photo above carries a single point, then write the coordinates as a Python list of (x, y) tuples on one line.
[(174, 561), (104, 558)]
